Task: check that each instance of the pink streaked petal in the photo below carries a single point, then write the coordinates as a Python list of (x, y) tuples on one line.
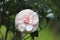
[(26, 20)]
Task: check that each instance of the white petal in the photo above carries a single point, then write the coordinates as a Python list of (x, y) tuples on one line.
[(35, 19), (21, 28), (23, 25), (29, 28), (30, 22), (18, 20), (26, 12)]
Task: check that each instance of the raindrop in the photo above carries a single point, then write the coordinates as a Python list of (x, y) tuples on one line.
[(7, 0), (7, 12), (49, 10), (1, 9), (35, 3), (39, 5)]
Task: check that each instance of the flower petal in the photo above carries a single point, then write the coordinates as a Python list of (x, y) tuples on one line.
[(23, 25), (29, 28), (21, 28), (30, 22), (35, 27), (34, 18)]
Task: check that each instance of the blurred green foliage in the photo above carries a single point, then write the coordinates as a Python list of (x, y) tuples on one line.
[(49, 29)]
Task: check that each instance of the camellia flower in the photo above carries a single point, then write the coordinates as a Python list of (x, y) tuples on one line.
[(27, 20)]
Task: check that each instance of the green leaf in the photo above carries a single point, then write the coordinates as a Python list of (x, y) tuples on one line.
[(1, 36), (45, 34), (3, 31), (43, 23), (9, 35), (27, 37)]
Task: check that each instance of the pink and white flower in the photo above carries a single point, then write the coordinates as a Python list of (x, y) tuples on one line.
[(27, 20)]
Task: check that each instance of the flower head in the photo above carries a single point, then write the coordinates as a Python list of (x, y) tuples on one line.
[(27, 20)]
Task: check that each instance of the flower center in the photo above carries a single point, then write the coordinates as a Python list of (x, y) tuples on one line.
[(26, 20)]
